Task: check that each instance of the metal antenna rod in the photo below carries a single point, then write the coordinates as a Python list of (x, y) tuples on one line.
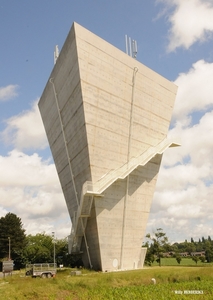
[(126, 39), (56, 54), (134, 49), (131, 47)]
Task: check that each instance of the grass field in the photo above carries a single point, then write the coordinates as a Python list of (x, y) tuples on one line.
[(185, 261), (171, 283)]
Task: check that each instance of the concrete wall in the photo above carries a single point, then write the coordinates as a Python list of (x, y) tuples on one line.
[(106, 80), (111, 108)]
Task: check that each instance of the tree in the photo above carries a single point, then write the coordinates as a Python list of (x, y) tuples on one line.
[(39, 248), (199, 247), (190, 247), (178, 258), (195, 258), (62, 256), (150, 258), (208, 251), (12, 238), (160, 242), (202, 259)]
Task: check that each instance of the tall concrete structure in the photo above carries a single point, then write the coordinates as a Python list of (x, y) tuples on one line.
[(106, 116)]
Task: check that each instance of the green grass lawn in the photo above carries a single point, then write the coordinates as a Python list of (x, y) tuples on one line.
[(186, 261), (172, 282)]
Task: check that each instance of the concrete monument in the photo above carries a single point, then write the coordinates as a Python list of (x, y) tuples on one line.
[(106, 117)]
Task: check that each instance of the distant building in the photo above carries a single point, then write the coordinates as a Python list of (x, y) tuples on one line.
[(198, 253), (184, 254), (168, 254), (188, 254), (106, 116)]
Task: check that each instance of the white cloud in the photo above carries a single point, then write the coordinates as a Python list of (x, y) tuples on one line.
[(25, 131), (34, 172), (194, 90), (191, 21), (30, 188), (8, 92), (196, 147), (182, 202)]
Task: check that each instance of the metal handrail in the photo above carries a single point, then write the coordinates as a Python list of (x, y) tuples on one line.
[(101, 185), (130, 166)]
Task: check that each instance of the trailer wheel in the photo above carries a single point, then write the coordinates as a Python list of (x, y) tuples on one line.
[(49, 275), (43, 275)]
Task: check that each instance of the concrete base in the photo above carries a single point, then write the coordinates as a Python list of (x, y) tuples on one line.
[(117, 220)]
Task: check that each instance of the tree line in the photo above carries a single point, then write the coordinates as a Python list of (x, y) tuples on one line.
[(24, 249), (158, 247), (40, 248)]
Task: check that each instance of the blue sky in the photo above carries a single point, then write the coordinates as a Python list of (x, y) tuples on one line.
[(175, 39)]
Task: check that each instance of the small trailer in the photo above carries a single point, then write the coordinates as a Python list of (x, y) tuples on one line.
[(41, 270)]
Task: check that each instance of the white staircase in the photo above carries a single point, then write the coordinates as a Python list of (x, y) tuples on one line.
[(89, 190)]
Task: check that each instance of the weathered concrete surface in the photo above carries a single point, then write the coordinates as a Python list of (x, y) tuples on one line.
[(112, 108)]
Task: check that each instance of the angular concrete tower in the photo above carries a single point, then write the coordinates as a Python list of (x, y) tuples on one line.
[(106, 116)]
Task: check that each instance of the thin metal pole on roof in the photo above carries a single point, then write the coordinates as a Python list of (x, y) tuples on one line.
[(126, 39), (131, 47)]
